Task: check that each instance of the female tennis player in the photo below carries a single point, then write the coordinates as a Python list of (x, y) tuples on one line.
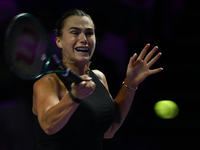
[(73, 116)]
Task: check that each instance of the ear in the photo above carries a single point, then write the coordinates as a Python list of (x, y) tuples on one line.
[(58, 42)]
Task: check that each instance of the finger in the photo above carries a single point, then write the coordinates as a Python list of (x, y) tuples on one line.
[(132, 59), (87, 91), (92, 91), (88, 87), (84, 92), (78, 86), (154, 71), (86, 77), (143, 52), (154, 59), (150, 54)]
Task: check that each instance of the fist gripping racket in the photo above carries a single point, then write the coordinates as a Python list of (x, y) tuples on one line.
[(29, 50)]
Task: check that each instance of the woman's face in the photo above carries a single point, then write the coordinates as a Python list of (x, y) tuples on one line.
[(78, 39)]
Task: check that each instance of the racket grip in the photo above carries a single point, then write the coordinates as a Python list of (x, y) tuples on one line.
[(74, 77)]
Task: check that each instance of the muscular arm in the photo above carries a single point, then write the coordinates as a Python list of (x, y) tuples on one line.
[(52, 104)]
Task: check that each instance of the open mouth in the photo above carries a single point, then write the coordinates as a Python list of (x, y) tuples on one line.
[(83, 50)]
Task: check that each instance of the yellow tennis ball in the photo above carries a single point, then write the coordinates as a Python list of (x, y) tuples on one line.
[(166, 109)]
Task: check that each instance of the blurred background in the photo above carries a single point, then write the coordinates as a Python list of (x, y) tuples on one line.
[(123, 27)]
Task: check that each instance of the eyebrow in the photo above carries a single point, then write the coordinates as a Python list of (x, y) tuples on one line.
[(76, 28)]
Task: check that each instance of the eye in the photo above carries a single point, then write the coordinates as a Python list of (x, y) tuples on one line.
[(89, 33), (75, 32)]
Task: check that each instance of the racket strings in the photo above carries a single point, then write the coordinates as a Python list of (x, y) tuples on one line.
[(27, 49)]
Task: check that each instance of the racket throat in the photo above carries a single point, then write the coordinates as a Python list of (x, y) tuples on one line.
[(67, 71)]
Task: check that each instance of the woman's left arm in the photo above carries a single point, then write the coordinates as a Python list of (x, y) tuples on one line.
[(137, 71)]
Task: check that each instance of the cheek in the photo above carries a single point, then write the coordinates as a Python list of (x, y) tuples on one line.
[(92, 48), (92, 43), (69, 42)]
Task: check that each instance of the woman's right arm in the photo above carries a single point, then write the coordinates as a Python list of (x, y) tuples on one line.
[(52, 108), (52, 103)]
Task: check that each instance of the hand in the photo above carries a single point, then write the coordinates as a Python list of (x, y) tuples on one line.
[(83, 89), (138, 69)]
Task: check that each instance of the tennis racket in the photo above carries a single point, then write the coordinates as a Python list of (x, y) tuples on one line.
[(29, 50)]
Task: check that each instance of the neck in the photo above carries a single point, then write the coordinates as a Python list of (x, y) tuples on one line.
[(79, 68)]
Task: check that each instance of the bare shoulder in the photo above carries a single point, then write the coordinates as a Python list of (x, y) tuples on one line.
[(47, 91), (49, 83), (47, 80), (99, 74), (101, 77)]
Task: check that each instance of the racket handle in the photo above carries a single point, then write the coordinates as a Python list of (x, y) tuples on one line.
[(72, 76)]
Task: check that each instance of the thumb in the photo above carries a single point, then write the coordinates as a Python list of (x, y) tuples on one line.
[(132, 59), (86, 77)]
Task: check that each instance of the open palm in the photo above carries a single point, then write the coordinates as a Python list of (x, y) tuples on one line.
[(138, 69)]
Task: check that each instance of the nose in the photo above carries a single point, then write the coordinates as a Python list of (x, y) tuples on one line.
[(83, 39)]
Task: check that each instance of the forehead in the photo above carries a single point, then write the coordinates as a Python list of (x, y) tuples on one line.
[(79, 21)]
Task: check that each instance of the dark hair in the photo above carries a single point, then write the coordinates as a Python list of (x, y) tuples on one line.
[(61, 22)]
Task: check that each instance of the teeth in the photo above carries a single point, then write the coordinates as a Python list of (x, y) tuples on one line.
[(82, 49)]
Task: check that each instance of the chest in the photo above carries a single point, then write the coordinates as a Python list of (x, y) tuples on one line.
[(94, 114)]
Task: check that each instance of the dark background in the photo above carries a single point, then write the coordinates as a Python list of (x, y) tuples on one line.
[(123, 27)]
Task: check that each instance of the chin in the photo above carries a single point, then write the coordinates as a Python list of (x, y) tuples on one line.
[(84, 60)]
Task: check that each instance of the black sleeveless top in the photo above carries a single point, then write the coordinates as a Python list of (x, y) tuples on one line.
[(86, 127)]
